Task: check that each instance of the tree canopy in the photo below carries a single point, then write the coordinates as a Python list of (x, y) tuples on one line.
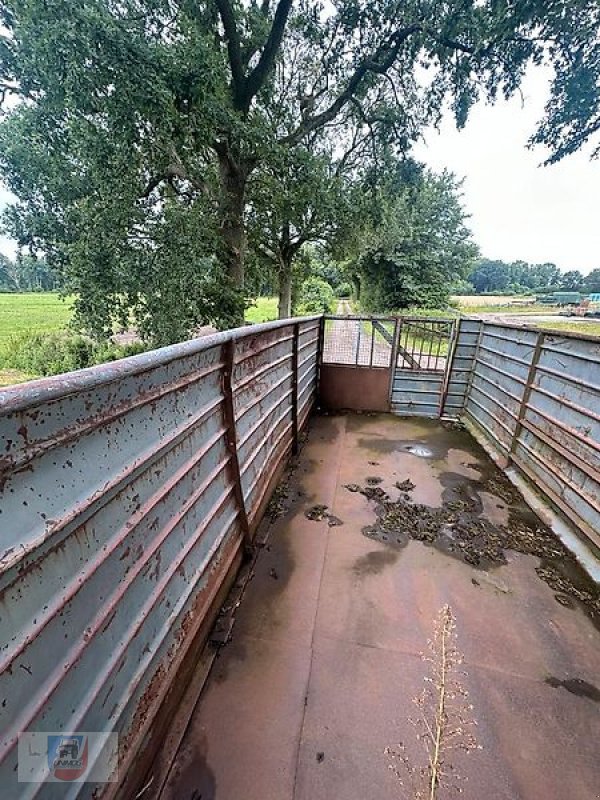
[(142, 123)]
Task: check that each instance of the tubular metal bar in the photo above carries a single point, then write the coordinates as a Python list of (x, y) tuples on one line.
[(295, 392), (528, 388), (231, 437)]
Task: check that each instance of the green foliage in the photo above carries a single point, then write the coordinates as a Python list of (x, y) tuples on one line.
[(591, 282), (417, 246), (263, 309), (44, 354), (316, 297), (493, 276), (344, 290), (144, 123)]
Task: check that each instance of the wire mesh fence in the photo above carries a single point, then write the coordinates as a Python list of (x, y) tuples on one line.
[(420, 343), (358, 341)]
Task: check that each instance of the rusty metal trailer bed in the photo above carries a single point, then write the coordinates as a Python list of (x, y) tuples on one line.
[(131, 491)]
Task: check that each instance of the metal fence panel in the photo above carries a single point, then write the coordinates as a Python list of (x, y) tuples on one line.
[(119, 519), (502, 362), (359, 341), (461, 367), (417, 394), (536, 396)]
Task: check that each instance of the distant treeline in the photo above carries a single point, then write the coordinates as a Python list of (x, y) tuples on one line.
[(27, 274), (520, 277)]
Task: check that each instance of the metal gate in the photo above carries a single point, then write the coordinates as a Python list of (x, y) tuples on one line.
[(422, 355)]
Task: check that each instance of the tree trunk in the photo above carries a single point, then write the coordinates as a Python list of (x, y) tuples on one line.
[(233, 178), (285, 289)]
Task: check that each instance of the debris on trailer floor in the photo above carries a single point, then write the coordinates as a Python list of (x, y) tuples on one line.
[(313, 697)]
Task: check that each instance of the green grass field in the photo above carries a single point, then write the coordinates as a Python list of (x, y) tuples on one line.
[(32, 312), (263, 309), (28, 312)]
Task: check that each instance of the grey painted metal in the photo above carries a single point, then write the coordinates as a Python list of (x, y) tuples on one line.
[(417, 393), (536, 398), (118, 521), (501, 368), (461, 367)]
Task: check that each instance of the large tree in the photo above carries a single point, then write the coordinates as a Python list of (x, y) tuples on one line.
[(296, 200), (416, 245), (143, 120)]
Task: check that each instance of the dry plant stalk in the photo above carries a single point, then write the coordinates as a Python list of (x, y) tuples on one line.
[(444, 724)]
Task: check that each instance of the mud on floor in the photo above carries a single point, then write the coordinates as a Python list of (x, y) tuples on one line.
[(458, 529)]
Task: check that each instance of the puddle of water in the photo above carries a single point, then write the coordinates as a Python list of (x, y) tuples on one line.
[(576, 686)]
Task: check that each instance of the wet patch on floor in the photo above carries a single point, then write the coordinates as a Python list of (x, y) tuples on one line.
[(576, 686), (459, 528), (373, 563)]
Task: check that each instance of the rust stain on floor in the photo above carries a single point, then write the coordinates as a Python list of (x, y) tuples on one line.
[(325, 659)]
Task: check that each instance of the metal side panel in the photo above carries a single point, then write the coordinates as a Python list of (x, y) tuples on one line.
[(417, 393), (461, 367), (119, 520), (500, 374)]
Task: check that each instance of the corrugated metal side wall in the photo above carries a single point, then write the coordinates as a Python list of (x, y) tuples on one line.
[(461, 364), (535, 395), (417, 393), (120, 515)]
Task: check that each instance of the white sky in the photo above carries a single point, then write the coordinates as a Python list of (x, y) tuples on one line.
[(519, 210)]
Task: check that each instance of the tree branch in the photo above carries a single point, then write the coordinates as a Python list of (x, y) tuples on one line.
[(257, 77), (234, 45), (383, 58)]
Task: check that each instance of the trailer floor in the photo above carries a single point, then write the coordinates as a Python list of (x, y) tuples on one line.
[(326, 652)]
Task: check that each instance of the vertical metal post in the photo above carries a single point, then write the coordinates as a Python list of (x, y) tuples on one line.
[(393, 357), (527, 392), (231, 437), (320, 350), (295, 389), (474, 367), (453, 340)]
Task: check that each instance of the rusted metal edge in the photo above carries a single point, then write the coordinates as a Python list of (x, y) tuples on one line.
[(140, 760), (231, 436), (25, 395)]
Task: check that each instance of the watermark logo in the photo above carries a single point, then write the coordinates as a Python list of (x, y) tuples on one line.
[(68, 756), (63, 757)]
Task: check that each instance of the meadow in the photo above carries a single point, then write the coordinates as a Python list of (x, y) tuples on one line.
[(25, 314)]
